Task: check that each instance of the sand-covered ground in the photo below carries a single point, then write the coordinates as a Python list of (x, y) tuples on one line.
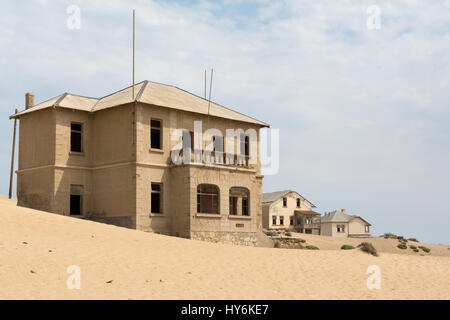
[(382, 245), (36, 248)]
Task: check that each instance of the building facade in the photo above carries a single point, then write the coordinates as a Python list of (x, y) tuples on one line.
[(289, 210), (340, 224), (131, 160)]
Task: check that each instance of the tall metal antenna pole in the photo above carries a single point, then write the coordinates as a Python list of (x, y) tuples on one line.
[(205, 84), (12, 158), (210, 86), (133, 49), (133, 105)]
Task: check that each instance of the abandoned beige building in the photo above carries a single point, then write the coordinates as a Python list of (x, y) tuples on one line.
[(289, 210), (340, 224), (111, 160)]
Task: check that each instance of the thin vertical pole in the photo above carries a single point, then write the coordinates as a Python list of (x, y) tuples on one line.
[(12, 158), (205, 84), (210, 86), (133, 49), (133, 107)]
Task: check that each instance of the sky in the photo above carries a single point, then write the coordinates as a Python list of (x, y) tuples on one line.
[(362, 108)]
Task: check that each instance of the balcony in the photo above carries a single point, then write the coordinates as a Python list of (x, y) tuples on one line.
[(188, 156)]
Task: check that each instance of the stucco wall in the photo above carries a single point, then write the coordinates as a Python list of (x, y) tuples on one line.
[(330, 229), (224, 179), (63, 156), (277, 209), (35, 189), (117, 174), (63, 178), (37, 139), (357, 227)]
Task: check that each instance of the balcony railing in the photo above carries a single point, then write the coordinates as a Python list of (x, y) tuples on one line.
[(188, 156)]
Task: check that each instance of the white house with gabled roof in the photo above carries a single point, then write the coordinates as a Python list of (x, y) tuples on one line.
[(340, 224), (289, 210)]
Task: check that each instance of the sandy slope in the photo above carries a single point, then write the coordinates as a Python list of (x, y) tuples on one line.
[(382, 245), (150, 266)]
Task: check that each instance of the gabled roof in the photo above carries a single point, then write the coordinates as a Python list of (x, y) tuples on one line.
[(339, 216), (147, 92), (274, 196)]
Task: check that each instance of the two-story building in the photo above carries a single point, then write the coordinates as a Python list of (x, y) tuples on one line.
[(158, 160), (289, 210)]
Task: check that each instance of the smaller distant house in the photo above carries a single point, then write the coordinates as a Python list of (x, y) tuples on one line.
[(340, 224), (289, 210)]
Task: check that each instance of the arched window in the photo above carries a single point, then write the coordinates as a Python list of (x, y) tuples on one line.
[(207, 198), (239, 201)]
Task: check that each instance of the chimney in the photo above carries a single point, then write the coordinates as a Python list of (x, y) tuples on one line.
[(29, 100), (343, 210)]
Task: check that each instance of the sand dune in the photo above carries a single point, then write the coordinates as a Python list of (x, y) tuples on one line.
[(382, 245), (116, 263)]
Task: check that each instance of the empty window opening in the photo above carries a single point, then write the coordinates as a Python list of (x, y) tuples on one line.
[(233, 205), (239, 201), (281, 220), (76, 137), (155, 134), (284, 202), (245, 145), (217, 144), (274, 220), (245, 211), (156, 201), (188, 140), (298, 202), (76, 200), (207, 199)]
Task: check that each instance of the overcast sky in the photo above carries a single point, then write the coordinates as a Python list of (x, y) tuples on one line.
[(363, 113)]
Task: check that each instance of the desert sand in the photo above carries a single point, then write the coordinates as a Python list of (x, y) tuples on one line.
[(36, 248)]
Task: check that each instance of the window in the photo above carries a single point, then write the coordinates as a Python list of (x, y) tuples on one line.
[(298, 202), (284, 202), (207, 198), (188, 140), (155, 134), (156, 198), (367, 228), (76, 137), (233, 205), (340, 228), (281, 220), (274, 220), (217, 143), (245, 144), (291, 221), (239, 201), (76, 200), (245, 206)]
